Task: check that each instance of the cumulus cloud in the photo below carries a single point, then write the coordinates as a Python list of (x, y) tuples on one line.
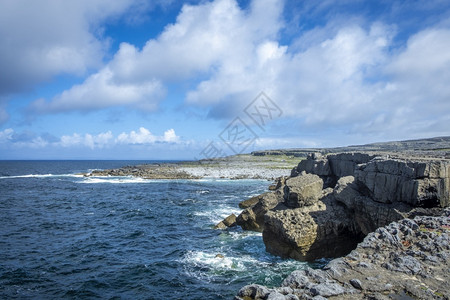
[(87, 140), (144, 136), (101, 91), (205, 37), (349, 74), (41, 39)]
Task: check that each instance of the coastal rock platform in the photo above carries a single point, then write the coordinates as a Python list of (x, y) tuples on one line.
[(383, 216), (408, 259)]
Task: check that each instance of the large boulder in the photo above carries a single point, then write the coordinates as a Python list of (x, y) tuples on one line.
[(302, 220), (323, 229), (314, 163), (344, 164), (229, 221), (252, 218), (302, 190)]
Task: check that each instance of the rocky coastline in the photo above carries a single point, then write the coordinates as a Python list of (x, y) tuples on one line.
[(383, 216), (233, 167), (380, 210)]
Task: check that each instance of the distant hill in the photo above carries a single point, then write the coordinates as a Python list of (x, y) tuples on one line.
[(436, 145)]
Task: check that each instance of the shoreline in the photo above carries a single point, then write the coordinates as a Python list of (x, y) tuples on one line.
[(342, 190), (234, 167)]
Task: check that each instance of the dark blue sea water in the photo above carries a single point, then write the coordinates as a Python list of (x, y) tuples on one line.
[(66, 236)]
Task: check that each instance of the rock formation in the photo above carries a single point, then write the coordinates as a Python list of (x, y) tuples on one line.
[(408, 259), (252, 218), (229, 221), (331, 202)]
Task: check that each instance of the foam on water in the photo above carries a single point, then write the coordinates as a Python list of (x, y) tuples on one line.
[(117, 179), (138, 239), (213, 261), (218, 213), (40, 176)]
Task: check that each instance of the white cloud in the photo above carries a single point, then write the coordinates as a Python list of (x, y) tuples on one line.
[(144, 136), (170, 136), (87, 140), (41, 39), (92, 141), (209, 36), (6, 135), (100, 91), (351, 75)]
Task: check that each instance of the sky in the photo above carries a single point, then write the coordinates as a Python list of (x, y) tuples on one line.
[(143, 79)]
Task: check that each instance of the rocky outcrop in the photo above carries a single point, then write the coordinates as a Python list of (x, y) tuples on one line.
[(229, 221), (310, 232), (302, 190), (419, 183), (153, 171), (331, 202), (252, 218), (408, 259)]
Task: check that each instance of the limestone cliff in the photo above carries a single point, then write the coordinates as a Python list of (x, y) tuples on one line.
[(408, 259), (331, 202)]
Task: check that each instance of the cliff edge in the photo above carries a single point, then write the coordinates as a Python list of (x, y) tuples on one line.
[(330, 203)]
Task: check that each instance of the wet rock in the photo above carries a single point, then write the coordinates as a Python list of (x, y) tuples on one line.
[(229, 221)]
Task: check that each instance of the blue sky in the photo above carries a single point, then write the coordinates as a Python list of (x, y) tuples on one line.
[(140, 79)]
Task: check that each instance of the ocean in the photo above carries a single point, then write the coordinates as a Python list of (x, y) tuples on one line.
[(67, 236)]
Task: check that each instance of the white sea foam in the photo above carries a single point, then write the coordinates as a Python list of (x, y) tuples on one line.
[(218, 213), (217, 261), (40, 176), (117, 179), (244, 235), (203, 192)]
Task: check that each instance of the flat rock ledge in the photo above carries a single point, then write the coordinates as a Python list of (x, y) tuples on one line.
[(408, 259)]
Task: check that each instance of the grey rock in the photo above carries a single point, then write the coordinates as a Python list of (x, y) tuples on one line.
[(327, 289), (356, 283), (254, 291), (347, 196), (249, 202), (302, 190), (393, 261), (229, 221), (275, 296), (252, 218)]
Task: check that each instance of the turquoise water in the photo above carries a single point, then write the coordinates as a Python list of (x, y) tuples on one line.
[(67, 236)]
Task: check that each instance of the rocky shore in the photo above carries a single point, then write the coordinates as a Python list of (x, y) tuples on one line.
[(233, 167), (392, 204), (408, 259), (381, 210)]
